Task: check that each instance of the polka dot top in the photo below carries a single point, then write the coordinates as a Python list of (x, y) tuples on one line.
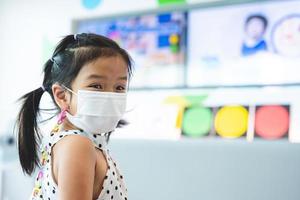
[(46, 189)]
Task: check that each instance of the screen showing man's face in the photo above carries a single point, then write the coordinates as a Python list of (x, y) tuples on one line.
[(255, 28)]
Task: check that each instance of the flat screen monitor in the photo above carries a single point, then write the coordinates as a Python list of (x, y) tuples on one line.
[(156, 43), (247, 44)]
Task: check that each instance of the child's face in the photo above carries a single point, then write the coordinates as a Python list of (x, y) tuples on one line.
[(105, 74), (255, 28)]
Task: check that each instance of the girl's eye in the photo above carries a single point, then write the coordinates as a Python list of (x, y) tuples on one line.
[(97, 86), (120, 88)]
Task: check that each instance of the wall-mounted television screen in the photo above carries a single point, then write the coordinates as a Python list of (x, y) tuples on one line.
[(248, 44), (156, 42)]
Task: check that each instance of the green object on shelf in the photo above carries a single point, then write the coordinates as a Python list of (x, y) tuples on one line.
[(197, 121), (164, 2), (196, 99)]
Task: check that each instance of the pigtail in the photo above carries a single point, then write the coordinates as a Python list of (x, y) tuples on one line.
[(28, 132), (27, 123)]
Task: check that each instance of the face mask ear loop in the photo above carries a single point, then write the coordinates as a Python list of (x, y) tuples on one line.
[(69, 90), (72, 92)]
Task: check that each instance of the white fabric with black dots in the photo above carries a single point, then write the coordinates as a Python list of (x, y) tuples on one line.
[(45, 187)]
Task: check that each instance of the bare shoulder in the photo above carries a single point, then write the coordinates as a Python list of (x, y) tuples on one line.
[(74, 161), (80, 142), (73, 150), (76, 146)]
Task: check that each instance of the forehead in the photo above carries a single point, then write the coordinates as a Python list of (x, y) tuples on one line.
[(111, 67), (256, 21)]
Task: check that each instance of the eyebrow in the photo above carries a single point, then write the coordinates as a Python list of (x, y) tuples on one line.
[(94, 76), (123, 78)]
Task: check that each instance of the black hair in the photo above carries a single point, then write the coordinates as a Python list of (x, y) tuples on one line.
[(257, 16), (71, 53)]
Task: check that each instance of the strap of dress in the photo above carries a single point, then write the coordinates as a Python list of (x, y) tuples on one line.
[(50, 140), (98, 141)]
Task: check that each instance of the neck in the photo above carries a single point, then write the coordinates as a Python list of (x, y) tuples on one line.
[(67, 125), (252, 41)]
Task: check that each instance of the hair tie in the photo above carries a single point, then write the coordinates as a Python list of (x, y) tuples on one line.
[(54, 62), (43, 88)]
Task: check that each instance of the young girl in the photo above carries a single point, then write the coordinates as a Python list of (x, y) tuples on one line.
[(87, 79)]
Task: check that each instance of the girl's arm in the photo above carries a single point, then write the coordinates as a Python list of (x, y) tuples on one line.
[(74, 167)]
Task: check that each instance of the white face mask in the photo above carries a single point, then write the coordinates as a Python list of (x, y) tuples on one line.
[(98, 112)]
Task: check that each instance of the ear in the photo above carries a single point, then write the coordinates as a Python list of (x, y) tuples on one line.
[(61, 97)]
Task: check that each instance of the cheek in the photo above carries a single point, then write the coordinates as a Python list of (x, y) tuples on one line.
[(73, 105), (260, 29), (256, 28)]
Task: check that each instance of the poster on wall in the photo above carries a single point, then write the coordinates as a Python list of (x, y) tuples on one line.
[(248, 44), (156, 43)]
